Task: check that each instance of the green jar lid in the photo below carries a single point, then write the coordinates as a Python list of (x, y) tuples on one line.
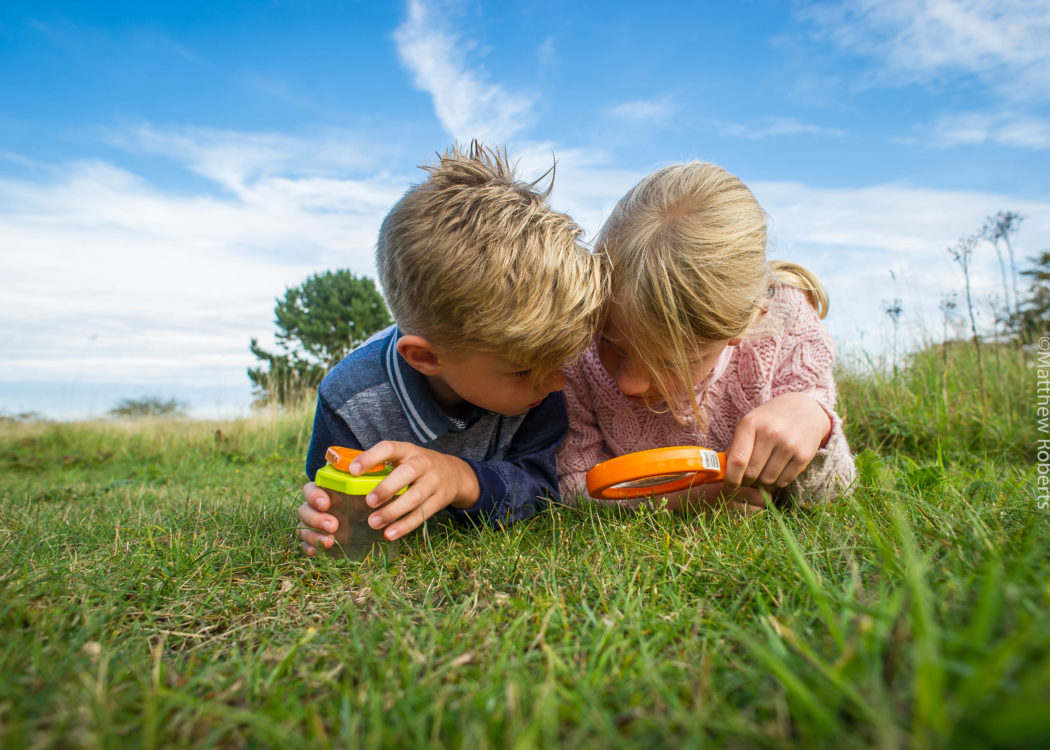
[(341, 481)]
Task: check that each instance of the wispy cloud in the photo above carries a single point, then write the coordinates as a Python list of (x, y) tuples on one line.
[(1001, 42), (547, 52), (644, 111), (773, 127), (465, 103), (1001, 128)]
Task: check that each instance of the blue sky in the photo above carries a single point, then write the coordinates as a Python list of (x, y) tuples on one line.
[(168, 169)]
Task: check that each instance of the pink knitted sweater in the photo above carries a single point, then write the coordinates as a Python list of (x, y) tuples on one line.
[(793, 352)]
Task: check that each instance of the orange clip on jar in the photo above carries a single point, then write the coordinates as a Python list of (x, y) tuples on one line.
[(658, 471), (354, 538)]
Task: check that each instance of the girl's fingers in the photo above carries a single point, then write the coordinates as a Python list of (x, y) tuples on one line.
[(739, 454), (795, 467), (770, 474), (761, 454)]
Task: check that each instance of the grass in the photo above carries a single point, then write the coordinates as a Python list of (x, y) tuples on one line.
[(152, 596)]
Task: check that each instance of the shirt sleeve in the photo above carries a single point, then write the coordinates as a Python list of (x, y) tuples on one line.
[(583, 446), (516, 486), (329, 429)]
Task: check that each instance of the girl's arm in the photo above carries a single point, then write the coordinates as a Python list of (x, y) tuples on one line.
[(799, 417), (583, 446)]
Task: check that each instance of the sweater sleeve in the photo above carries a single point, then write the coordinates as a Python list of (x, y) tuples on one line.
[(805, 365), (583, 446), (329, 429), (522, 481)]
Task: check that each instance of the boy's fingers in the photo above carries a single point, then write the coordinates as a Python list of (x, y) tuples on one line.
[(414, 518), (402, 476), (400, 506), (316, 497), (314, 538), (382, 452), (316, 520)]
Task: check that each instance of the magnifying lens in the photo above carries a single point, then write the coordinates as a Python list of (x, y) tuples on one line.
[(655, 472)]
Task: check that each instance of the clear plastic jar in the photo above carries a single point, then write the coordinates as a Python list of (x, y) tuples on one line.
[(354, 538)]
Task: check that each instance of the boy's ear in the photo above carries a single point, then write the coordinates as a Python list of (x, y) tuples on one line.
[(735, 341), (419, 353)]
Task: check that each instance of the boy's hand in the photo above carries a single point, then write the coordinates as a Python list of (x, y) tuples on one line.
[(775, 442), (434, 480), (317, 526)]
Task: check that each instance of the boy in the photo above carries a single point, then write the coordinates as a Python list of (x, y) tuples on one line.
[(491, 294)]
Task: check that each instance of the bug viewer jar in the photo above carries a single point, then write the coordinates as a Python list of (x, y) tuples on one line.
[(354, 538)]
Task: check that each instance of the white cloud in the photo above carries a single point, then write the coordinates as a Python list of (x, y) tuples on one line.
[(1002, 42), (645, 111), (467, 106), (547, 53), (108, 277), (854, 238), (1002, 129), (587, 183), (771, 127)]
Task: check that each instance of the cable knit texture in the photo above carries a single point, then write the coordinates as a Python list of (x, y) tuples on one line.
[(793, 352)]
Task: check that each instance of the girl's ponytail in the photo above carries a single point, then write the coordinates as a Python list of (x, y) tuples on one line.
[(792, 274)]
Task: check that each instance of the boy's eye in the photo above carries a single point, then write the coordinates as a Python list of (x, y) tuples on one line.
[(522, 373)]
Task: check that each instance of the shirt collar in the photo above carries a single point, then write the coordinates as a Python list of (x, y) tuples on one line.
[(425, 416)]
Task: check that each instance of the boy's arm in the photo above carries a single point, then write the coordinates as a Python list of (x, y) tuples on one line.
[(516, 486), (329, 429)]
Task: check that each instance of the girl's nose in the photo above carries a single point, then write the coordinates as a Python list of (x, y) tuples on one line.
[(555, 381), (631, 379)]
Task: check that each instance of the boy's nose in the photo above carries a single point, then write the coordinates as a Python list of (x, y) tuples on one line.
[(631, 379)]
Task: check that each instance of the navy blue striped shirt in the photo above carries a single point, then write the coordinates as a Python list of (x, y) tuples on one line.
[(374, 395)]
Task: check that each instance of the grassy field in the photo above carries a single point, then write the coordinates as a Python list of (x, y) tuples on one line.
[(151, 595)]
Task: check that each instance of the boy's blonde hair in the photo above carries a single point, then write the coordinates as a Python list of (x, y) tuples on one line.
[(687, 246), (474, 260)]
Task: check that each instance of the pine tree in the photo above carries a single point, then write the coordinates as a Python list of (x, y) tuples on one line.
[(318, 323)]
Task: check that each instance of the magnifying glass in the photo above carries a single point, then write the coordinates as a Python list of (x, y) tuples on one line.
[(655, 472)]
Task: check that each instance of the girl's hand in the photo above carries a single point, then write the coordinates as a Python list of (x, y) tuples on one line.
[(775, 442)]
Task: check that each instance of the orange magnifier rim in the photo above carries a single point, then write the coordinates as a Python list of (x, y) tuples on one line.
[(655, 472), (340, 458)]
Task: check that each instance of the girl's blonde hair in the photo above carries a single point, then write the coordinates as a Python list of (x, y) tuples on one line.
[(687, 248)]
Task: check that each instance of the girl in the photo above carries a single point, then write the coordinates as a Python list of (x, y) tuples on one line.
[(706, 343)]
